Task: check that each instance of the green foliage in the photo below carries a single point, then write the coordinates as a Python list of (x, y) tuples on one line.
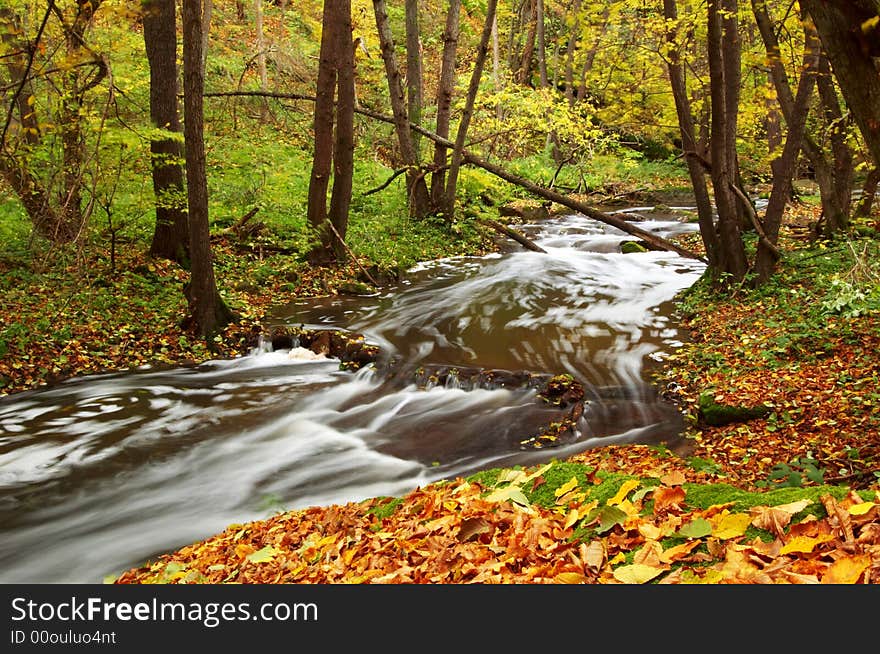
[(796, 473)]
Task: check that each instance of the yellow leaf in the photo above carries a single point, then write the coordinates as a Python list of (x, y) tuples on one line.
[(861, 508), (264, 555), (567, 486), (870, 24), (620, 556), (569, 578), (650, 531), (847, 570), (636, 573), (571, 518), (624, 490), (804, 544), (729, 525)]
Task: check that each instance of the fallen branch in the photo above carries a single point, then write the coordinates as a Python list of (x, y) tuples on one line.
[(241, 222), (387, 183), (535, 189), (351, 254), (512, 233), (753, 216)]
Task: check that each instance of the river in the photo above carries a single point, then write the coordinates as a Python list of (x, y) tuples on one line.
[(100, 473)]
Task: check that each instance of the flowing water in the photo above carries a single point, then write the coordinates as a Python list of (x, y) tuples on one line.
[(99, 473)]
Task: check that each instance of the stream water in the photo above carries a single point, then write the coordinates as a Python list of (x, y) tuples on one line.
[(99, 473)]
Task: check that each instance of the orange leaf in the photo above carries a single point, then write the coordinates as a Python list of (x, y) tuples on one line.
[(665, 497), (847, 570)]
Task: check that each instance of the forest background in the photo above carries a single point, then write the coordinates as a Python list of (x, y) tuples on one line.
[(166, 178)]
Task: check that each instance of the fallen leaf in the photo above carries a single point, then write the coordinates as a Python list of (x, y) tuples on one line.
[(623, 491), (847, 570), (804, 544), (636, 573), (729, 525)]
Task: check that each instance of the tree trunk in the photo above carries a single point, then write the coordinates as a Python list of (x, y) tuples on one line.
[(207, 15), (569, 53), (524, 74), (417, 189), (721, 46), (784, 165), (825, 171), (343, 148), (836, 212), (464, 122), (171, 234), (208, 313), (445, 90), (850, 36), (540, 37), (696, 170), (869, 190), (414, 72), (261, 45), (322, 158)]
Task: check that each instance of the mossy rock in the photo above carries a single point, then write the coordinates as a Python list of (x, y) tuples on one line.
[(717, 414), (355, 288), (631, 247)]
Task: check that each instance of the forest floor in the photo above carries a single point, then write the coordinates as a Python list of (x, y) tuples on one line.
[(787, 494)]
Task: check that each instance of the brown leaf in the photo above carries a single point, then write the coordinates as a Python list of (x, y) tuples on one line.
[(668, 497), (776, 518), (847, 570), (471, 528)]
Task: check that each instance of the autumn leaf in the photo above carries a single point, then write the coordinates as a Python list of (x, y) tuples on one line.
[(593, 555), (566, 487), (678, 552), (847, 570), (776, 518), (609, 516), (570, 578), (264, 555), (471, 528), (623, 491), (729, 525), (696, 528), (636, 573), (665, 497), (861, 509), (804, 544)]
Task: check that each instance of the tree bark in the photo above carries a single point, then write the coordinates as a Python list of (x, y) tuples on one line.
[(869, 190), (696, 170), (322, 158), (540, 38), (826, 168), (464, 122), (414, 72), (445, 90), (208, 313), (850, 36), (171, 234), (721, 45), (524, 74), (343, 148), (417, 189), (783, 170)]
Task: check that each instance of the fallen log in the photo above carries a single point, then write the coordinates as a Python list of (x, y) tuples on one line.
[(512, 233), (531, 187)]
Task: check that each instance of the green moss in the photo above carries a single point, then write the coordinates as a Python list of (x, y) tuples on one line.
[(716, 414)]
